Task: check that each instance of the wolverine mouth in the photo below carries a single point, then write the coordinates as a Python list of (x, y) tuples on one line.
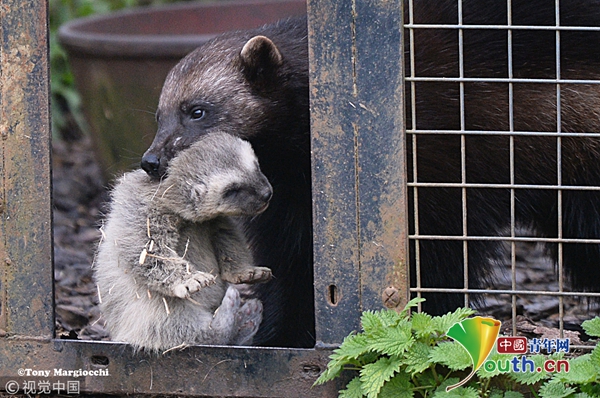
[(262, 208)]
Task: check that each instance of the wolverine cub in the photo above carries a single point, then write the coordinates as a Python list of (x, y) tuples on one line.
[(170, 249)]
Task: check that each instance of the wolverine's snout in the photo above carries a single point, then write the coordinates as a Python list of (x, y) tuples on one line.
[(151, 165)]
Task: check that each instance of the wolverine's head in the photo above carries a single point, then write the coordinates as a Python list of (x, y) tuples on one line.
[(221, 86)]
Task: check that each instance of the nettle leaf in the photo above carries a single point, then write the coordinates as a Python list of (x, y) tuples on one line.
[(333, 370), (373, 321), (368, 357), (353, 389), (374, 375), (467, 392), (351, 349), (531, 377), (417, 358), (592, 327), (452, 355), (412, 303), (389, 318), (445, 322), (423, 325), (398, 387), (595, 356), (425, 380), (369, 320), (581, 371), (448, 382), (495, 393), (582, 395), (513, 394), (592, 389), (392, 340), (555, 390)]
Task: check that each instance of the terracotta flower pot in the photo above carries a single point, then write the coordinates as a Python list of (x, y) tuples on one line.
[(120, 61)]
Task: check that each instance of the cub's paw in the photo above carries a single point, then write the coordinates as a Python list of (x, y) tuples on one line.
[(224, 317), (248, 275), (195, 282), (247, 320), (231, 301)]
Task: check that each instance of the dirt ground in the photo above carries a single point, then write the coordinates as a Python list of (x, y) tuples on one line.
[(79, 199), (78, 196)]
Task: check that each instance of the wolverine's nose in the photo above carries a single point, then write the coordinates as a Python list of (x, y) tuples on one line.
[(151, 164)]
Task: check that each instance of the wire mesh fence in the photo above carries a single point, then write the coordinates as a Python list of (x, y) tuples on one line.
[(503, 144)]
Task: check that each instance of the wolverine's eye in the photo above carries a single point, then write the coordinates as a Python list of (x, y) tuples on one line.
[(197, 113)]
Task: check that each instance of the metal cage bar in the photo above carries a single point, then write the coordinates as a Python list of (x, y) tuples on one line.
[(463, 151), (511, 112), (359, 184), (26, 300), (559, 207)]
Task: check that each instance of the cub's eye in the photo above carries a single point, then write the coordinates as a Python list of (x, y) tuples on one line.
[(197, 113), (232, 191)]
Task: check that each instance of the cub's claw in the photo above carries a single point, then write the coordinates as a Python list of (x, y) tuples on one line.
[(196, 281), (248, 275)]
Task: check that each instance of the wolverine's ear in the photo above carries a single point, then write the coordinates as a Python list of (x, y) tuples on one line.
[(260, 56)]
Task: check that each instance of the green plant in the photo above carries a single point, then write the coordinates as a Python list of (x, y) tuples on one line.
[(405, 355)]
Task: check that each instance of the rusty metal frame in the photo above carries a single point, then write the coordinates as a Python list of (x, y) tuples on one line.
[(359, 213), (359, 186)]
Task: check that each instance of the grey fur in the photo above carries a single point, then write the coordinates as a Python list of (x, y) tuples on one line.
[(171, 248)]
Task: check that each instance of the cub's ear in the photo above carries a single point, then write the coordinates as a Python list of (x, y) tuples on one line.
[(197, 192), (260, 57)]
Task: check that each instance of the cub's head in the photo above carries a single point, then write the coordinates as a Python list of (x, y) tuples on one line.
[(242, 83), (217, 176)]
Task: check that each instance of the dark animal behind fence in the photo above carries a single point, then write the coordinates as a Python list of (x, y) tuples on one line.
[(487, 156)]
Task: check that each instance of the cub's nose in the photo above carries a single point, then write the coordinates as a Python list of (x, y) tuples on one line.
[(266, 194), (151, 164)]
